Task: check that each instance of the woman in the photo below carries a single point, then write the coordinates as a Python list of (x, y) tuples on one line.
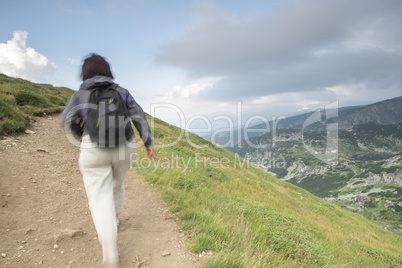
[(103, 169)]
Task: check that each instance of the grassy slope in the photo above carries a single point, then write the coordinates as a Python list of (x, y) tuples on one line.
[(20, 99), (251, 219), (365, 152), (245, 216)]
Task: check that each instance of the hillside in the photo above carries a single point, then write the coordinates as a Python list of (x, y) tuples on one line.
[(240, 216), (367, 178), (249, 218), (21, 99)]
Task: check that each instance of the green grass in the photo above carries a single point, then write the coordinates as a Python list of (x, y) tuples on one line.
[(21, 99), (249, 218), (379, 157)]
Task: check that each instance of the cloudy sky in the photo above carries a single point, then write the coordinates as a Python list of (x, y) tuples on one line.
[(194, 60)]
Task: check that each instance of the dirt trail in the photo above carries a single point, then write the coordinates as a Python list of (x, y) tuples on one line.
[(44, 216)]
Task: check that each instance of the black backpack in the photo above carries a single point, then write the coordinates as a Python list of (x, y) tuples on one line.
[(108, 122)]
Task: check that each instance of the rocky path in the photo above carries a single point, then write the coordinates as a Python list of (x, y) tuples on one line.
[(44, 216)]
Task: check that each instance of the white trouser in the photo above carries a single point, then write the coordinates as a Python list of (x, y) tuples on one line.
[(103, 171)]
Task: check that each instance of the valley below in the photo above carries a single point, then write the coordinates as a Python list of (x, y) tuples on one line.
[(363, 173)]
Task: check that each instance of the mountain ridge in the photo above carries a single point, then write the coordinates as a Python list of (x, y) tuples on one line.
[(382, 112)]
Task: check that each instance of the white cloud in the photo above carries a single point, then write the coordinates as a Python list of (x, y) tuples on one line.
[(185, 92), (18, 60), (344, 90), (181, 99), (183, 102), (73, 61)]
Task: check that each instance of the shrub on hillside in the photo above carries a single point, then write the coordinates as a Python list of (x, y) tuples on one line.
[(57, 101), (12, 120), (33, 99), (12, 126)]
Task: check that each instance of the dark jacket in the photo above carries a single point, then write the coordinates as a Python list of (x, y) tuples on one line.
[(136, 113)]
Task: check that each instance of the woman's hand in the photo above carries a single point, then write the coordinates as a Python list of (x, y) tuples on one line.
[(150, 151)]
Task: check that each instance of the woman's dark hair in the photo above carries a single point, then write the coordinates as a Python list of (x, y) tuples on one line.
[(95, 65)]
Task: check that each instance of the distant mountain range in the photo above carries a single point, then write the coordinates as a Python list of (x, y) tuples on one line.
[(383, 112)]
